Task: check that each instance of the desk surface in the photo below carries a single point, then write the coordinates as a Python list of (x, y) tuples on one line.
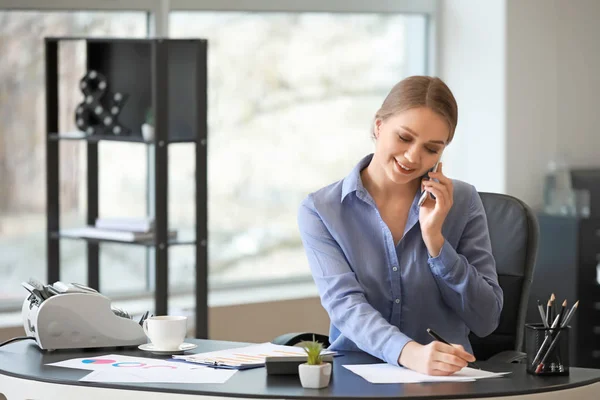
[(25, 360)]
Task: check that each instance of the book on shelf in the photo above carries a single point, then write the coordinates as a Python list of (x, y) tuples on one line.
[(145, 224), (92, 232)]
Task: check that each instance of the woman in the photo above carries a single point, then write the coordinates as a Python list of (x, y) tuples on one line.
[(388, 268)]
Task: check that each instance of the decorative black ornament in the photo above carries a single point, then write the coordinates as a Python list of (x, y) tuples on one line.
[(99, 111)]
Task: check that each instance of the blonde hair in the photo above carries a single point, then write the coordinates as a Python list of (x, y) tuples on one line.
[(421, 91)]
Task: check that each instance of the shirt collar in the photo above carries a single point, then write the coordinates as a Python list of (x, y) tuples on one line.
[(353, 182)]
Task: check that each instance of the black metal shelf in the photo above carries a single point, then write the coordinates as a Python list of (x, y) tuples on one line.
[(135, 138), (146, 243), (169, 79)]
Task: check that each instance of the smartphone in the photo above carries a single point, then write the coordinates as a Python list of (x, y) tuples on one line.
[(425, 192)]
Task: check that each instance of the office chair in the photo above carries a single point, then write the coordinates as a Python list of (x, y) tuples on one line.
[(514, 232)]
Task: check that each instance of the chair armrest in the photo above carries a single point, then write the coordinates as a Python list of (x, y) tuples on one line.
[(509, 356), (291, 339)]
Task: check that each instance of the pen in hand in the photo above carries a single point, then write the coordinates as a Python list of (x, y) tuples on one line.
[(441, 339)]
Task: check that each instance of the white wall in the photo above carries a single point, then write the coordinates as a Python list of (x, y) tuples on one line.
[(532, 80), (526, 77), (471, 61), (553, 64), (579, 80)]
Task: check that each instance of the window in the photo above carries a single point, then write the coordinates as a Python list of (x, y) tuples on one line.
[(285, 89), (291, 103), (22, 150)]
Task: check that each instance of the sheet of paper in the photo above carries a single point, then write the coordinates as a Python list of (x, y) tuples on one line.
[(387, 373), (249, 355), (118, 368), (112, 376), (195, 375)]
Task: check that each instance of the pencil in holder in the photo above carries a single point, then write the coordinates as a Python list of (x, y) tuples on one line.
[(547, 350)]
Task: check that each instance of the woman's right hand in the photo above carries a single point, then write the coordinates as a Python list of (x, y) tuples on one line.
[(436, 358)]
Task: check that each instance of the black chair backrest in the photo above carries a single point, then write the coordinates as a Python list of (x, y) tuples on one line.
[(514, 234)]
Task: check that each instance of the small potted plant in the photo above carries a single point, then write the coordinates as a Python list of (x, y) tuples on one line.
[(148, 126), (315, 373)]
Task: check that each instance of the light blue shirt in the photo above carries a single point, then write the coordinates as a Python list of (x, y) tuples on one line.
[(380, 295)]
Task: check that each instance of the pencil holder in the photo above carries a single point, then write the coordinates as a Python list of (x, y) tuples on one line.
[(547, 350)]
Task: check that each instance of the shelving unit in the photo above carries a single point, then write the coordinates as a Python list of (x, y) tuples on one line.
[(169, 77)]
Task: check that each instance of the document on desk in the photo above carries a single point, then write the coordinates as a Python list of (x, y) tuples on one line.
[(119, 368), (387, 373), (197, 375), (245, 357)]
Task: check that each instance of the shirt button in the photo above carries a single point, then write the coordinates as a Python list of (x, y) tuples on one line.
[(397, 301), (395, 269)]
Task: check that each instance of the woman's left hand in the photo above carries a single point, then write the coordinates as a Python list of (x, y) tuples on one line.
[(433, 212)]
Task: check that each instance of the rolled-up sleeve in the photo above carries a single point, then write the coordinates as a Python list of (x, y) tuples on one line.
[(467, 275), (341, 294)]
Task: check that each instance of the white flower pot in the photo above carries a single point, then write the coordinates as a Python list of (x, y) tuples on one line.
[(315, 376), (148, 132)]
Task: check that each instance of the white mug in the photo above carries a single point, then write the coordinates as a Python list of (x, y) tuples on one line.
[(166, 332)]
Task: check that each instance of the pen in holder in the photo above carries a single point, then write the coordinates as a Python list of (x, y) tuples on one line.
[(547, 349)]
